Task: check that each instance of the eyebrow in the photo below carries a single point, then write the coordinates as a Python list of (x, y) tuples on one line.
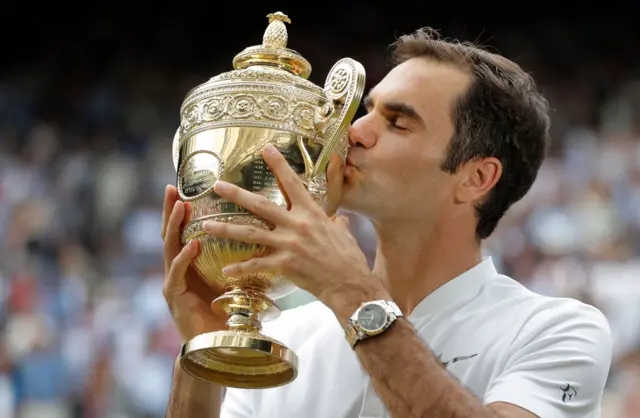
[(396, 107)]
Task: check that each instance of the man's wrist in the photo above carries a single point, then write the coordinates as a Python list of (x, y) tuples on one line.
[(344, 301)]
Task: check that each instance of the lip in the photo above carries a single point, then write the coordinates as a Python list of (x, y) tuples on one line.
[(350, 163)]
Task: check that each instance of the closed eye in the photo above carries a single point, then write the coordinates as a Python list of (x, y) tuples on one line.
[(396, 113), (393, 123)]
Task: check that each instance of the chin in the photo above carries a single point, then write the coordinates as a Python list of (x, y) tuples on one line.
[(346, 202), (355, 202)]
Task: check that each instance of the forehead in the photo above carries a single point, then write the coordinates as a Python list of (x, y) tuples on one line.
[(429, 86)]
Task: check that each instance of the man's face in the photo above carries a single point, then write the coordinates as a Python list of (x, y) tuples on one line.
[(393, 166)]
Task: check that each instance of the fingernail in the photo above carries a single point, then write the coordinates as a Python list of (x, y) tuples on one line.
[(270, 150), (227, 270), (209, 225)]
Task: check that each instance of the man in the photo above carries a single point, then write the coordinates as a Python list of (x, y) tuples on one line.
[(452, 138)]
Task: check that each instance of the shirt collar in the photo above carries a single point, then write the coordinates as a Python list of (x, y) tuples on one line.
[(456, 291)]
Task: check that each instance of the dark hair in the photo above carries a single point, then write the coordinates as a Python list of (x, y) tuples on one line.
[(502, 115)]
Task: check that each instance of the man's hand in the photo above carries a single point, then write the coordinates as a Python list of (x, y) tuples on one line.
[(314, 251), (187, 295)]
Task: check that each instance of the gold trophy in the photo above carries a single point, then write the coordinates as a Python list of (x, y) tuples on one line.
[(225, 125)]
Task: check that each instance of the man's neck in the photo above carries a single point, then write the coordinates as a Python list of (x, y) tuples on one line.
[(415, 263)]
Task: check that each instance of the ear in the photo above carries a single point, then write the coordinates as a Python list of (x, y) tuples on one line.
[(477, 178)]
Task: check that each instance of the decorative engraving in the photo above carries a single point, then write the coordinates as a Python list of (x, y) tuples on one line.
[(243, 106), (251, 105), (262, 74), (343, 147), (303, 116), (276, 107), (317, 188), (339, 81), (212, 109), (191, 117)]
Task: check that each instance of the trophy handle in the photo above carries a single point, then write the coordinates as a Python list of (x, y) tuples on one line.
[(344, 88), (306, 158), (175, 149)]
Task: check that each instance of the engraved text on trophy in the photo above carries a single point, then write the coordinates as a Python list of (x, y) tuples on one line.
[(199, 174)]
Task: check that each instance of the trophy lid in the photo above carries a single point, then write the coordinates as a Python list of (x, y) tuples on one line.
[(274, 52)]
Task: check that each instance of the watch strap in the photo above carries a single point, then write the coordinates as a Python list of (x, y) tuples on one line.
[(351, 334)]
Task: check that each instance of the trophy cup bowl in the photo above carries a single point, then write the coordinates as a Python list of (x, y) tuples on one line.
[(225, 125)]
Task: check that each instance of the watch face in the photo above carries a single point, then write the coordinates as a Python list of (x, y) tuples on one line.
[(372, 317)]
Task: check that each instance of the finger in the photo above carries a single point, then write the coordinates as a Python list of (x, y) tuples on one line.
[(176, 277), (188, 210), (334, 184), (284, 193), (245, 233), (342, 220), (254, 203), (172, 237), (289, 182), (268, 264), (170, 198)]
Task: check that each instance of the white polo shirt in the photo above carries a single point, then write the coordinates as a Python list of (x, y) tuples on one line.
[(503, 342)]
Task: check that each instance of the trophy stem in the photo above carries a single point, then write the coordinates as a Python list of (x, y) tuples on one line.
[(247, 307), (241, 356)]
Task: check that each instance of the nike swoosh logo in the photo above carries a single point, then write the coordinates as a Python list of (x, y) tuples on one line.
[(455, 359)]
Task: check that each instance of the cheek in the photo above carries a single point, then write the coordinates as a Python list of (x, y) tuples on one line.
[(417, 170), (409, 171), (423, 182)]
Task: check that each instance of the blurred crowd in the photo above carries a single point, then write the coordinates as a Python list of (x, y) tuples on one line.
[(85, 155)]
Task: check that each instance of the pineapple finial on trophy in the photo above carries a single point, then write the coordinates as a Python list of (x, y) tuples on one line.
[(276, 34), (273, 51)]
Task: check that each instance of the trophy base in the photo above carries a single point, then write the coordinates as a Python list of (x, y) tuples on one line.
[(239, 359)]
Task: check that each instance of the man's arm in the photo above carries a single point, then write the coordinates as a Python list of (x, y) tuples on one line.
[(573, 347), (412, 382), (192, 397), (407, 376)]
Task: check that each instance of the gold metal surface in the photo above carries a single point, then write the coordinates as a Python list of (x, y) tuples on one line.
[(239, 359), (225, 125)]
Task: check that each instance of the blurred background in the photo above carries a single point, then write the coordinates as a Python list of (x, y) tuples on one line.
[(89, 100)]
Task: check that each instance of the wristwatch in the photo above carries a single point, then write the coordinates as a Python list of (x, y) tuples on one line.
[(371, 318)]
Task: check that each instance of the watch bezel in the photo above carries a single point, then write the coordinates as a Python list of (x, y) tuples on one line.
[(355, 332), (379, 329)]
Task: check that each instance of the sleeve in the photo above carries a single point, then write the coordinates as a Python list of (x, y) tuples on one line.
[(559, 366), (237, 403)]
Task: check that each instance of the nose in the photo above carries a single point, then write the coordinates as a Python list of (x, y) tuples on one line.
[(361, 133)]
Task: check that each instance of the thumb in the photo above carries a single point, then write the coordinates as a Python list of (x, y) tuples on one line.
[(175, 282), (342, 220)]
